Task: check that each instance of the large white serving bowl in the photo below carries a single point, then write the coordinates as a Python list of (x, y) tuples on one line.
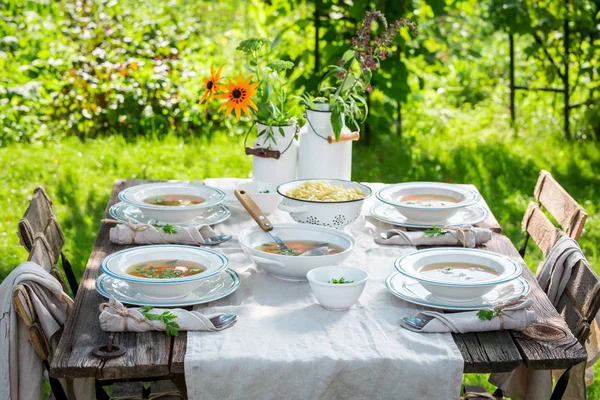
[(334, 214), (411, 265), (294, 268), (264, 195), (337, 297), (392, 195), (136, 195), (116, 265)]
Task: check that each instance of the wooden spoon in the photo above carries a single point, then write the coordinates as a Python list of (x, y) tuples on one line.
[(260, 218)]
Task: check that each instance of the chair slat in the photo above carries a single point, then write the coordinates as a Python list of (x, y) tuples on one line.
[(40, 255), (36, 217), (541, 229), (569, 214), (25, 309)]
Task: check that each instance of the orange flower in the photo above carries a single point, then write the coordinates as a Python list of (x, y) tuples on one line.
[(211, 85), (239, 96)]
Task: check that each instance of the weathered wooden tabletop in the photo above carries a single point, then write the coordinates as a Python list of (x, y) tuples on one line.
[(153, 354)]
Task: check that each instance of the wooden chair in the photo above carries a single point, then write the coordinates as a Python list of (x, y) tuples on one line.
[(39, 221), (580, 301), (26, 311)]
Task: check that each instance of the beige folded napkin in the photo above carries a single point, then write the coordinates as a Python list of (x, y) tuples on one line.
[(115, 317), (514, 315), (466, 237), (129, 233)]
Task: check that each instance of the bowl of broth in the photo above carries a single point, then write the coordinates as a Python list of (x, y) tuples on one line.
[(172, 202), (428, 202), (332, 248), (164, 271), (458, 274)]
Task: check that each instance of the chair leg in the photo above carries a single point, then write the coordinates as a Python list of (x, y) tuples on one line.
[(69, 274), (561, 385)]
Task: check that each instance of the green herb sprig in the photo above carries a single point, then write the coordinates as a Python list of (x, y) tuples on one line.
[(487, 314), (340, 281), (170, 229), (166, 318), (434, 232)]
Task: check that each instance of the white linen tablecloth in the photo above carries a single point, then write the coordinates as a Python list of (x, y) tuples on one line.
[(286, 346)]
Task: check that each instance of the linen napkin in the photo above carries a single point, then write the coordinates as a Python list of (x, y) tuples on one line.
[(129, 233), (467, 237), (115, 317), (514, 315)]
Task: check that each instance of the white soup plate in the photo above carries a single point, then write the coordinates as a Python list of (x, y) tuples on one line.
[(212, 215), (468, 216), (393, 194), (337, 296), (411, 265), (136, 195), (210, 289), (410, 290), (116, 265)]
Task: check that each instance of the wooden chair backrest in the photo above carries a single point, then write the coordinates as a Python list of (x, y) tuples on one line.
[(39, 224), (567, 212), (580, 301)]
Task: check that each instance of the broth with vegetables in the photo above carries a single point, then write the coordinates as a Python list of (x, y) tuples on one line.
[(298, 247), (458, 272), (428, 200), (174, 200), (166, 269)]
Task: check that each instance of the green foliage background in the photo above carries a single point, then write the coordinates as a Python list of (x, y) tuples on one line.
[(95, 90)]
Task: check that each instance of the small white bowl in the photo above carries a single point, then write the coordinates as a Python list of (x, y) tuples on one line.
[(337, 296), (264, 195), (446, 289), (392, 195), (136, 195), (294, 268), (116, 265)]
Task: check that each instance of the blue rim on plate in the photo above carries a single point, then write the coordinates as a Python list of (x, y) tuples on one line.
[(197, 277), (443, 304), (123, 196), (513, 274), (378, 214), (472, 198), (235, 284), (120, 210)]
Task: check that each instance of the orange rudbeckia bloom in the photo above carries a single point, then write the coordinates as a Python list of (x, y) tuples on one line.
[(211, 85), (238, 96)]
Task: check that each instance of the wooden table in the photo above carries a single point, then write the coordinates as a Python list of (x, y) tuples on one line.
[(153, 355)]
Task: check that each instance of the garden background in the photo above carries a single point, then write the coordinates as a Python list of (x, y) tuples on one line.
[(94, 90)]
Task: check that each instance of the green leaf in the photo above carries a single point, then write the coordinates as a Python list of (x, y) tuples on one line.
[(167, 318), (348, 55), (336, 122), (434, 232), (485, 314)]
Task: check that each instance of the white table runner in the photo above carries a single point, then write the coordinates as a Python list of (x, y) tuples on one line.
[(286, 346)]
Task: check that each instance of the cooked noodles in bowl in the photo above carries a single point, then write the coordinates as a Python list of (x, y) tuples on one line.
[(324, 191)]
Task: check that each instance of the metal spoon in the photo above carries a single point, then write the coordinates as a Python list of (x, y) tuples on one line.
[(215, 240), (260, 218), (222, 320), (415, 322)]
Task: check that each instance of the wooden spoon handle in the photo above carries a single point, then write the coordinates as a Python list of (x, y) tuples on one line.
[(254, 211)]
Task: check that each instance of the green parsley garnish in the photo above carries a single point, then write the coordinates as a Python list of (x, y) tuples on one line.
[(340, 281), (166, 318), (165, 228), (487, 314), (434, 232)]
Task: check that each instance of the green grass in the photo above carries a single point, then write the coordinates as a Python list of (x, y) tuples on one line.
[(79, 175)]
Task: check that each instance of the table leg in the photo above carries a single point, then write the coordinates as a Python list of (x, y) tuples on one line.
[(179, 381)]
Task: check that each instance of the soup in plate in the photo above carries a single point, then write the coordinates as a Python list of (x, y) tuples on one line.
[(427, 200), (174, 200), (458, 272), (166, 269), (299, 247)]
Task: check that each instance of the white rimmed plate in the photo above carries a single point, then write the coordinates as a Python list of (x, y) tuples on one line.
[(467, 216), (211, 216), (211, 289), (410, 290)]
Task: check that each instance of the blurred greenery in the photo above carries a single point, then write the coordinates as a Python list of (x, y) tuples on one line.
[(94, 90)]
